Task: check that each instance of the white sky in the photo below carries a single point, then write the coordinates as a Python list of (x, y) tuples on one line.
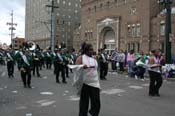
[(6, 7)]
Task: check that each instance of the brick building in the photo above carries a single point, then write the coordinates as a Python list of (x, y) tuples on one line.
[(124, 24), (18, 42)]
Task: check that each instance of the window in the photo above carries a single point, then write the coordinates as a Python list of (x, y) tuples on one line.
[(137, 47), (76, 5), (138, 31), (129, 31), (162, 46), (76, 11), (133, 10), (132, 46), (162, 28), (128, 47), (85, 34), (133, 30)]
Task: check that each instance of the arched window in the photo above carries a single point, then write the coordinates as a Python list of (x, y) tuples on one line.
[(164, 11)]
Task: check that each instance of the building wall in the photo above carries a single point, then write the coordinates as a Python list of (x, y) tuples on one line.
[(68, 20), (131, 13), (77, 39), (18, 42), (38, 20), (158, 39)]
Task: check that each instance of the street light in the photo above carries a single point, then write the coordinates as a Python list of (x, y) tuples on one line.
[(167, 5)]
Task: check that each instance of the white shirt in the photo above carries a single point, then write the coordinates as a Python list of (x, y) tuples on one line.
[(90, 75)]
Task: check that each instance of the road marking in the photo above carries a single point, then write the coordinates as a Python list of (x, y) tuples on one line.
[(66, 91), (74, 98), (126, 76), (41, 101), (29, 114), (45, 102), (1, 88), (46, 93), (45, 77), (14, 91), (113, 91), (21, 108), (145, 85), (135, 87), (119, 95), (64, 94), (48, 103)]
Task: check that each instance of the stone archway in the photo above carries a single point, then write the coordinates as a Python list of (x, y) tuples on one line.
[(108, 33), (108, 37)]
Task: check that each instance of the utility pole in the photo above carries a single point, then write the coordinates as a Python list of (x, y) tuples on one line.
[(168, 30), (12, 28), (53, 23)]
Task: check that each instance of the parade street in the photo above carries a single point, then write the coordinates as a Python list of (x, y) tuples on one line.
[(120, 96)]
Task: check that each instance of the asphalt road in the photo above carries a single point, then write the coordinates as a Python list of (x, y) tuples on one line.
[(120, 96)]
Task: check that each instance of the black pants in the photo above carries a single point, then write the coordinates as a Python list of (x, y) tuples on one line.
[(155, 82), (41, 64), (36, 65), (93, 94), (10, 68), (113, 64), (54, 65), (121, 65), (26, 77), (48, 64), (103, 70), (140, 72), (67, 70), (60, 68)]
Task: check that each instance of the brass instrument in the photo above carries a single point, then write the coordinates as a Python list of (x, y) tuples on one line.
[(32, 45)]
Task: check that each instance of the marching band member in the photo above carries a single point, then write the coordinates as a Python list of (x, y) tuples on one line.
[(10, 63), (36, 62), (59, 67), (103, 65), (53, 55), (42, 60), (26, 66), (67, 60), (48, 59)]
